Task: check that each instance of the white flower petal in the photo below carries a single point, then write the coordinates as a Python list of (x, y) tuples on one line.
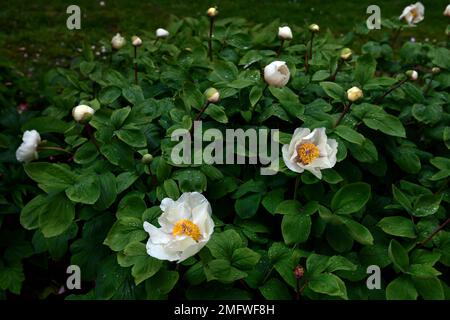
[(157, 236)]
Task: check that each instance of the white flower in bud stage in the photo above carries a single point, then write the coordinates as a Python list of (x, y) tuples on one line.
[(186, 227), (354, 94), (346, 53), (314, 27), (118, 41), (27, 151), (136, 41), (82, 113), (413, 13), (285, 33), (412, 75), (212, 95), (162, 33), (212, 12), (447, 11), (277, 74), (310, 151)]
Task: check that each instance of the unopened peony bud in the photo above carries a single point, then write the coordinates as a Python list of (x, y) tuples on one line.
[(299, 272), (162, 33), (447, 11), (354, 94), (314, 28), (136, 41), (277, 74), (346, 53), (436, 70), (212, 95), (118, 41), (285, 33), (147, 158), (412, 75), (212, 12), (82, 113)]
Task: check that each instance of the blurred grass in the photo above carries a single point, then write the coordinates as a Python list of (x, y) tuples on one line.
[(34, 34)]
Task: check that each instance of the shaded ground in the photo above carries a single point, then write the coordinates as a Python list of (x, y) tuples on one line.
[(34, 34)]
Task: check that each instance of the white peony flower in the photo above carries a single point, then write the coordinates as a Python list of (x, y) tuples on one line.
[(413, 13), (314, 28), (412, 74), (354, 94), (162, 33), (285, 33), (277, 74), (136, 41), (346, 53), (82, 112), (186, 226), (118, 41), (447, 11), (28, 149), (310, 151)]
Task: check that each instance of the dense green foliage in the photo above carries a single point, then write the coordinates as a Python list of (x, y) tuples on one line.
[(86, 206)]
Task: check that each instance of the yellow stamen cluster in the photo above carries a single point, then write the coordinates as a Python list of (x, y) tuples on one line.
[(307, 152), (188, 228)]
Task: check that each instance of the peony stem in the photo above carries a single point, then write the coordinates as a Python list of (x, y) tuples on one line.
[(311, 45), (55, 148), (442, 226), (211, 29), (135, 65), (397, 85), (280, 48), (156, 41), (199, 114), (333, 76), (343, 113), (428, 87)]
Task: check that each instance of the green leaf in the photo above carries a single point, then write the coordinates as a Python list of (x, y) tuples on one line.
[(29, 216), (50, 175), (247, 206), (366, 152), (327, 283), (111, 277), (220, 269), (333, 90), (119, 116), (365, 68), (320, 75), (11, 277), (57, 216), (133, 94), (217, 113), (109, 94), (350, 198), (429, 288), (398, 226), (274, 289), (385, 123), (426, 205), (398, 255), (295, 228), (222, 245), (401, 288), (358, 232), (423, 271), (401, 198), (171, 189), (349, 134), (289, 207), (86, 191), (46, 124), (190, 180), (316, 264), (88, 152), (132, 136), (108, 191), (124, 231), (244, 258), (255, 95), (144, 266), (158, 286)]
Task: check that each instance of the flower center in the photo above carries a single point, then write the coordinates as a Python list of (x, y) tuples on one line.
[(414, 13), (188, 228), (307, 152)]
